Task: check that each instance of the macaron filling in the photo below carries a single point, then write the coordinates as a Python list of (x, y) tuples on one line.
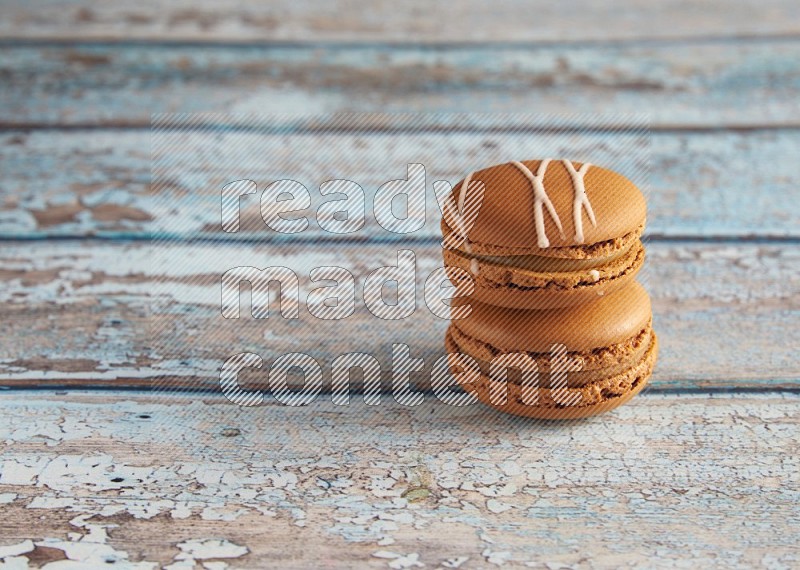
[(547, 264), (499, 279), (614, 387), (597, 364)]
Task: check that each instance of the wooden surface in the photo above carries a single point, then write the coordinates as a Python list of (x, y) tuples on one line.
[(701, 184), (88, 302), (463, 22), (96, 470), (692, 84), (325, 486)]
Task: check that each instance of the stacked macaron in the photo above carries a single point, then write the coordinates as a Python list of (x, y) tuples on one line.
[(549, 250)]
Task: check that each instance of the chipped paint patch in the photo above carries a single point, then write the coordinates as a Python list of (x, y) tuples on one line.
[(209, 548), (399, 561), (87, 549), (16, 549)]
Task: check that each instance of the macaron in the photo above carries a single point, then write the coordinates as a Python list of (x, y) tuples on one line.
[(563, 363), (548, 233)]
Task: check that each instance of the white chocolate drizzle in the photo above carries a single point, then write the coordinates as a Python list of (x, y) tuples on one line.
[(462, 195), (540, 199), (580, 200)]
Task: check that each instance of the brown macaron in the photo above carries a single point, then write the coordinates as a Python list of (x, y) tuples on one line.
[(606, 350), (548, 233)]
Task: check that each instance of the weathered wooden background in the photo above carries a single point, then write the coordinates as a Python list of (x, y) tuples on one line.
[(700, 470)]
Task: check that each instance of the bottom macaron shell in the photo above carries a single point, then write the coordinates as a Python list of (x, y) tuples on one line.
[(628, 384), (505, 286)]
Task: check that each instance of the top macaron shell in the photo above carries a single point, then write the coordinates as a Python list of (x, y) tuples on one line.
[(505, 222)]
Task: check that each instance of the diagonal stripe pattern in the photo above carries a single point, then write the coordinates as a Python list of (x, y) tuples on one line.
[(245, 153)]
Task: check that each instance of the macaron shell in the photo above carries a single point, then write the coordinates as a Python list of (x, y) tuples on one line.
[(614, 392), (506, 216), (507, 286), (583, 251), (610, 320)]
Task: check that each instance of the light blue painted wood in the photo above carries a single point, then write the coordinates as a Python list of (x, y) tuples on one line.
[(125, 314), (662, 481), (693, 83), (412, 21), (77, 183)]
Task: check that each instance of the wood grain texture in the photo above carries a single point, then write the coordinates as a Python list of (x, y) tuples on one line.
[(81, 183), (76, 313), (693, 84), (410, 21), (146, 479)]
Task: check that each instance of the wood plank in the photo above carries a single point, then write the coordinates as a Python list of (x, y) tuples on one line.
[(693, 84), (78, 183), (76, 313), (686, 480), (411, 21)]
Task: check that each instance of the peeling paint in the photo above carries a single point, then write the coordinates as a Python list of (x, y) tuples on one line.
[(662, 463)]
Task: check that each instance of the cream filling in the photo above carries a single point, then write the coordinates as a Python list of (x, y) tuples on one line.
[(545, 264), (582, 377)]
